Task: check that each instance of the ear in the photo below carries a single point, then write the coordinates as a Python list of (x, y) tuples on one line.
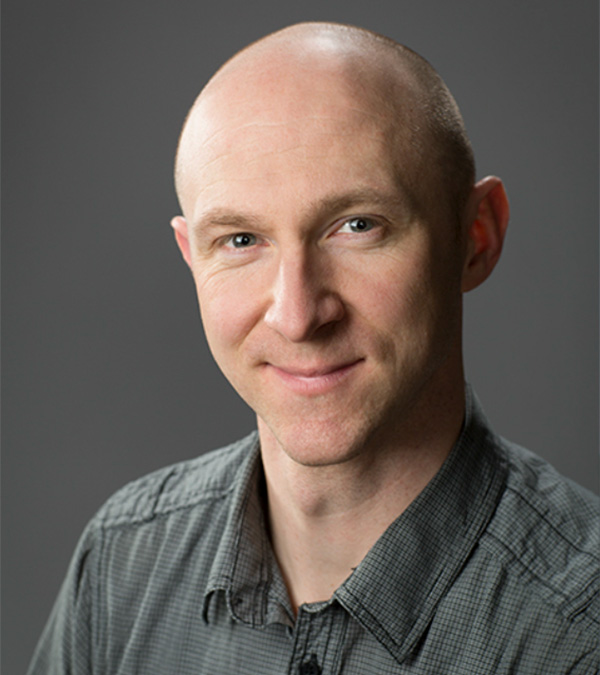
[(179, 225), (488, 212)]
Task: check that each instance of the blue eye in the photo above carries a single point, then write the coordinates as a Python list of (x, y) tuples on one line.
[(357, 225), (242, 240)]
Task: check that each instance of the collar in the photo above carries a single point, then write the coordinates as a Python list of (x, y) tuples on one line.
[(422, 552), (417, 558), (244, 570)]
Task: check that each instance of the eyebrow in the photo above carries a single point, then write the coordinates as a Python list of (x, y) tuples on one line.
[(219, 217), (354, 198)]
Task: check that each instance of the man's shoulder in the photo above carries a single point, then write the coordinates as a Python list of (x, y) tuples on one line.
[(208, 478), (546, 530), (540, 492)]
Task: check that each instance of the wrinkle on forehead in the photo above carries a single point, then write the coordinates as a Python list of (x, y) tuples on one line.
[(267, 150), (281, 96), (316, 71)]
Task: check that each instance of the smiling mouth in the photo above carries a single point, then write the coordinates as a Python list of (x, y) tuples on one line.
[(314, 380)]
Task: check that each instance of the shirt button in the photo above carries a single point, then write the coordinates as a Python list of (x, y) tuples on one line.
[(310, 667)]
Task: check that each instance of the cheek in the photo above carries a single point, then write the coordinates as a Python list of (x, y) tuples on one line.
[(410, 304), (229, 309), (392, 290)]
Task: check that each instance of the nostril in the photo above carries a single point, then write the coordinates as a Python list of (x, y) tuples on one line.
[(302, 300), (298, 320)]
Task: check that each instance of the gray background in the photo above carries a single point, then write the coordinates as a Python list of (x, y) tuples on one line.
[(106, 372)]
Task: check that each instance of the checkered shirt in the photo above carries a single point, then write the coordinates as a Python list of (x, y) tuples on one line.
[(492, 569)]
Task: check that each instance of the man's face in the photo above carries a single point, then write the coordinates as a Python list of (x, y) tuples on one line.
[(331, 305)]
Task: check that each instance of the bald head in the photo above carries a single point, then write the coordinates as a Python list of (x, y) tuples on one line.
[(302, 69)]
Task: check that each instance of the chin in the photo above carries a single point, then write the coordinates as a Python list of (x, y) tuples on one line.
[(316, 443)]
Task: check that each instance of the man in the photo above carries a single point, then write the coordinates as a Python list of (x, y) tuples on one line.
[(374, 524)]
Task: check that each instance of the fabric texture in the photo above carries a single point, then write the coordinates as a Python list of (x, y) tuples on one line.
[(494, 568)]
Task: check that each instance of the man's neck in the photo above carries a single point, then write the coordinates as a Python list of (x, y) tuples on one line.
[(324, 519)]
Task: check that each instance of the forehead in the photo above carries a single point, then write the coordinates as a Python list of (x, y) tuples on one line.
[(265, 126), (268, 167)]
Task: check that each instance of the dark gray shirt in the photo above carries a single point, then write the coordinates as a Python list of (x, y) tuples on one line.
[(492, 569)]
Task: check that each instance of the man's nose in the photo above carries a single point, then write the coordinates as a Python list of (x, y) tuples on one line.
[(302, 298)]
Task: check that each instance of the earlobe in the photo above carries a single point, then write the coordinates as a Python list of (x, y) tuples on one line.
[(488, 214), (179, 226)]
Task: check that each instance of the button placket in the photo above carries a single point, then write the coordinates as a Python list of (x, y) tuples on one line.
[(311, 637), (310, 667)]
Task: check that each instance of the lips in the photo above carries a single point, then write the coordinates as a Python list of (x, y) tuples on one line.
[(316, 379), (317, 371)]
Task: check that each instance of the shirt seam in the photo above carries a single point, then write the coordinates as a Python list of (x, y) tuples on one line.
[(552, 525), (114, 523), (567, 618)]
